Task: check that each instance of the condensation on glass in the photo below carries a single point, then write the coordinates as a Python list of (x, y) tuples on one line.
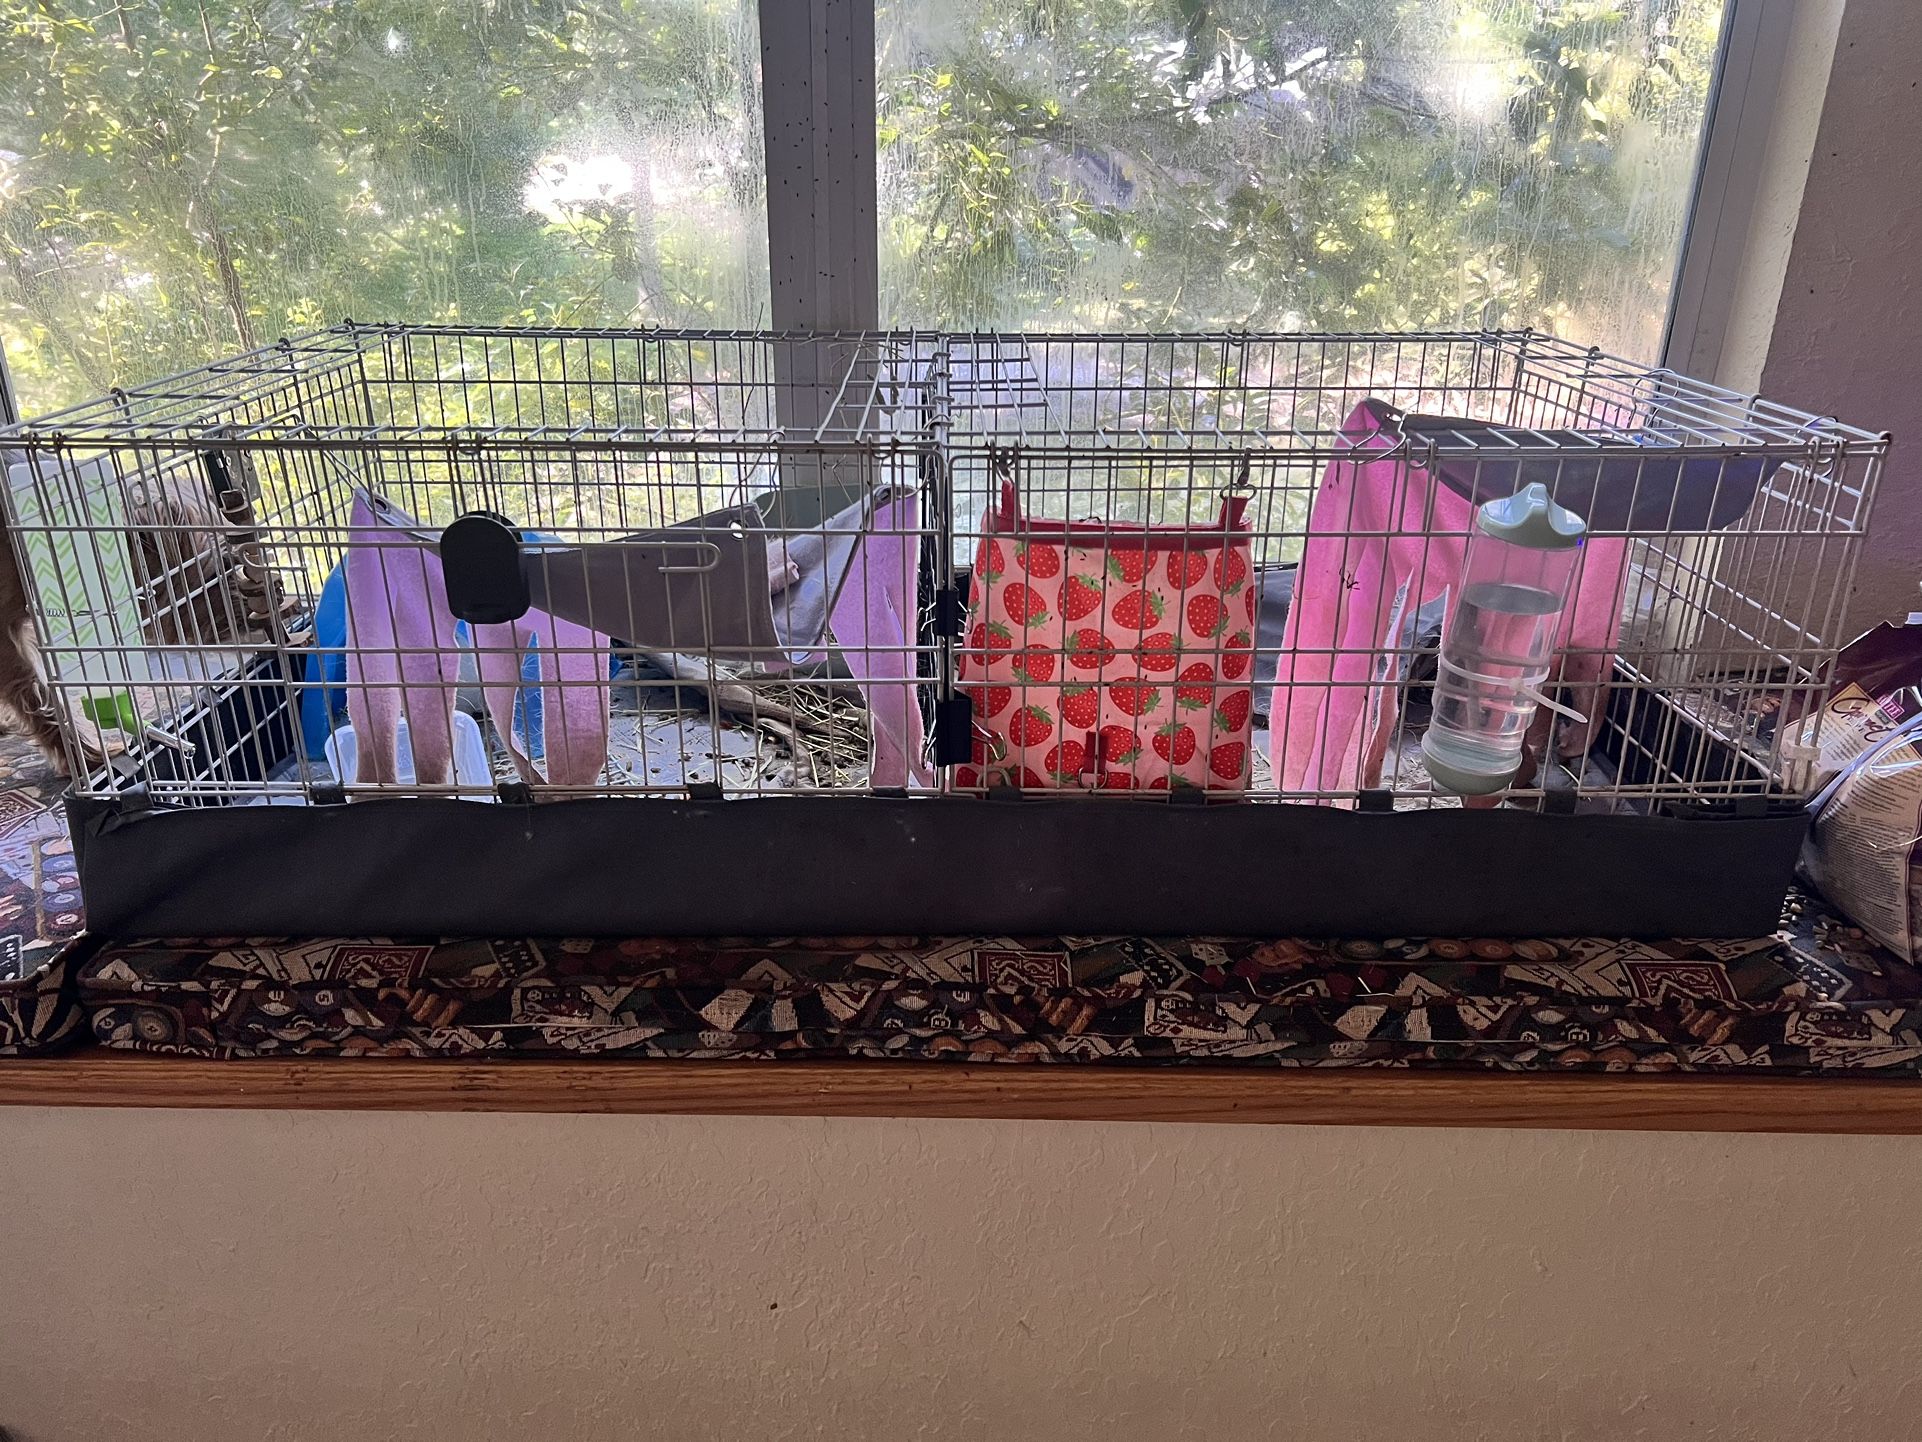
[(1328, 165), (179, 182)]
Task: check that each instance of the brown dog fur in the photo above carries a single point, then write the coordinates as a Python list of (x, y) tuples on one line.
[(178, 565), (26, 704)]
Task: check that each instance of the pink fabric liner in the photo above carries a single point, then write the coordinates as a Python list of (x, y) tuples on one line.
[(403, 658), (873, 621), (1383, 541)]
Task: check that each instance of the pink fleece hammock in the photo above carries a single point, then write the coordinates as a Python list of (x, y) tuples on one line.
[(872, 621), (403, 655), (1384, 540), (403, 658)]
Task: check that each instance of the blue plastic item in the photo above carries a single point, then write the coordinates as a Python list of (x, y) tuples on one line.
[(323, 699)]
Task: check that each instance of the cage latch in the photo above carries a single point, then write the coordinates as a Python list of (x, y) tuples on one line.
[(220, 477), (705, 791), (480, 557), (953, 730)]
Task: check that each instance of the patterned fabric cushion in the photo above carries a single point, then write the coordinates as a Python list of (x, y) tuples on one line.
[(37, 1010), (39, 903), (1817, 997)]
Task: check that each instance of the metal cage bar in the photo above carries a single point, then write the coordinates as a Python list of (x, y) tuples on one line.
[(190, 545)]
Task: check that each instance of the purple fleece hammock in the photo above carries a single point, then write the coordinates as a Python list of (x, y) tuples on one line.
[(872, 619), (403, 658)]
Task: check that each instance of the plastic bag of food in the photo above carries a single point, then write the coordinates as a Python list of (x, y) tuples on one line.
[(1878, 686), (1864, 849)]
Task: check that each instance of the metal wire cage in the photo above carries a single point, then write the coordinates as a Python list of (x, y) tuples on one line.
[(531, 563)]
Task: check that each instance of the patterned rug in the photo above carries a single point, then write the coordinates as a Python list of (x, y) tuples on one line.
[(1815, 998), (39, 893), (39, 904)]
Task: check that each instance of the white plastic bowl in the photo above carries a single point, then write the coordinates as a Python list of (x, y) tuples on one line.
[(470, 756)]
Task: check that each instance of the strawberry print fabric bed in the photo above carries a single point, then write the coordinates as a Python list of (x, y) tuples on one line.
[(1109, 656)]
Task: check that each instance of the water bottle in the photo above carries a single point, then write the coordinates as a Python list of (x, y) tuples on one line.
[(1500, 641)]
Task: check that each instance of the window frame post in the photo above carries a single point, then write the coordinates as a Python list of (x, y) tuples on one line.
[(1728, 179), (818, 118), (9, 407)]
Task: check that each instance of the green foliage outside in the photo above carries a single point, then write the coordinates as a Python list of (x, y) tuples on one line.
[(183, 178), (1363, 165)]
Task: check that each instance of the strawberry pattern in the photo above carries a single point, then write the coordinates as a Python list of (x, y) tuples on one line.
[(1118, 660)]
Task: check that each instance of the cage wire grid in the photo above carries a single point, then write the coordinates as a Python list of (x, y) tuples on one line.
[(179, 539)]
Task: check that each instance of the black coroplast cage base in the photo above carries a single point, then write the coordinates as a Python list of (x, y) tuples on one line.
[(843, 866)]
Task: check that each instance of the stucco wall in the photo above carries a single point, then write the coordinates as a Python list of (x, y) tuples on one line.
[(200, 1277), (1846, 336), (1794, 115)]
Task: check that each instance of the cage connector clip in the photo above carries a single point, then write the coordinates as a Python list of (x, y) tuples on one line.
[(950, 611), (480, 556), (954, 729)]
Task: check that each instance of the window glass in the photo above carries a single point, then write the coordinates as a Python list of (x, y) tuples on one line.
[(1318, 164), (183, 178)]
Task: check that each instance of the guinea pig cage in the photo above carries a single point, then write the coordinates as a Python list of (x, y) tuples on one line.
[(429, 630)]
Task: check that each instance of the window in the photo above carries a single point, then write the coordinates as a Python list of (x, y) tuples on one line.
[(1328, 165), (179, 180)]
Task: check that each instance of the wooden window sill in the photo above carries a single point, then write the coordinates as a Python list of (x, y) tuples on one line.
[(1037, 1092)]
